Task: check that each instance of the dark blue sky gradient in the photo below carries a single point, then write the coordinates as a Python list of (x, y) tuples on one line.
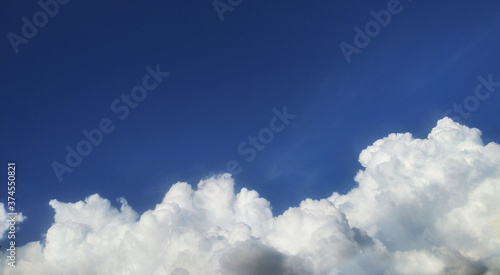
[(225, 79)]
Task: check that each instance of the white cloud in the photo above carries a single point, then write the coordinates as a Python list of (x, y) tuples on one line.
[(422, 206), (5, 224)]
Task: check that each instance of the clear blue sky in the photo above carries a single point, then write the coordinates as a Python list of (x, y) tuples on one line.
[(225, 79)]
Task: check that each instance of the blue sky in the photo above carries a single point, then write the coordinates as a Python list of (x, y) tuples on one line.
[(225, 79)]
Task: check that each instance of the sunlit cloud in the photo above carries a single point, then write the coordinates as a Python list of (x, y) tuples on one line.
[(426, 206)]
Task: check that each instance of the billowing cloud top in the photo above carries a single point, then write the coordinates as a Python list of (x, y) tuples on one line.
[(422, 206)]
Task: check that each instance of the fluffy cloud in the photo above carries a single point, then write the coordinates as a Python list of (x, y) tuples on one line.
[(422, 206)]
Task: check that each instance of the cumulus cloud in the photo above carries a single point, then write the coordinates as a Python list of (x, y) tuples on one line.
[(421, 206)]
